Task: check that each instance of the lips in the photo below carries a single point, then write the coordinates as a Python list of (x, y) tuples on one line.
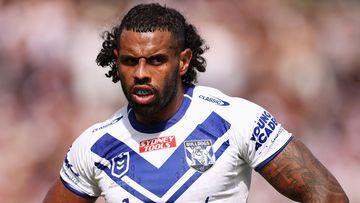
[(143, 94)]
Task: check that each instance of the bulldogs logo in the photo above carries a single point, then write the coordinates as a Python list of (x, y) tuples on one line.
[(199, 154)]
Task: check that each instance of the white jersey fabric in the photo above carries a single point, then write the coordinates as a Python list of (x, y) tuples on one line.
[(204, 153)]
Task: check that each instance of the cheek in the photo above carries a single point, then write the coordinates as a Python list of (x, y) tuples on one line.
[(124, 80), (122, 73), (171, 78), (164, 78)]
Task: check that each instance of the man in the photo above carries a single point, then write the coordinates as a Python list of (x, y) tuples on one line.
[(177, 142)]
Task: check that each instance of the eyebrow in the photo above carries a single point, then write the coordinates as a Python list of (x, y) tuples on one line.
[(156, 59), (125, 56)]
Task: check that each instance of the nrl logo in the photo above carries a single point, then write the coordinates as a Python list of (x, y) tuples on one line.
[(199, 154), (120, 164)]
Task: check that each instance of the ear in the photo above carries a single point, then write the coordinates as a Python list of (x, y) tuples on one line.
[(116, 52), (185, 58)]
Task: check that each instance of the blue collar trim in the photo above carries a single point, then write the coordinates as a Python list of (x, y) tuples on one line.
[(155, 128)]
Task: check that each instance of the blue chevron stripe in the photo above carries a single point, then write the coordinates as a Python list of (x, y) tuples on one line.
[(147, 175)]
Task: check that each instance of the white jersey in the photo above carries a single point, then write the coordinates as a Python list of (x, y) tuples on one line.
[(204, 153)]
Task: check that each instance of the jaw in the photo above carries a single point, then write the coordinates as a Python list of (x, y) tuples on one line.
[(159, 110)]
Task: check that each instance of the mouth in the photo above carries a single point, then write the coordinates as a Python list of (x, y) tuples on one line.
[(143, 94)]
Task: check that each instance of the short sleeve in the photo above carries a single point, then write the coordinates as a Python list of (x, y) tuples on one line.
[(263, 136), (76, 173)]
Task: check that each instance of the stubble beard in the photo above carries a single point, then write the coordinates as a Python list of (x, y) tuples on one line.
[(162, 99)]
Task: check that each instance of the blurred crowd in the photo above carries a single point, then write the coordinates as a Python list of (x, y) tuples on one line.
[(298, 59)]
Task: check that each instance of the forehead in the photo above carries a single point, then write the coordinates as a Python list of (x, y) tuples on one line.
[(145, 43)]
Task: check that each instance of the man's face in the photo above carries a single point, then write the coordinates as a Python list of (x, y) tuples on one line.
[(150, 71)]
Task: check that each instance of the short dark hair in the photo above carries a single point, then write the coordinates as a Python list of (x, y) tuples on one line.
[(149, 18)]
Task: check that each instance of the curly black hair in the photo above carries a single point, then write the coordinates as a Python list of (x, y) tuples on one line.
[(149, 18)]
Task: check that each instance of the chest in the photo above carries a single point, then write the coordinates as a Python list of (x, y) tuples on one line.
[(180, 164), (182, 177)]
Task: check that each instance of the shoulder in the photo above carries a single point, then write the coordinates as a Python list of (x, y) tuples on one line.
[(79, 153), (232, 107), (92, 133), (108, 123), (243, 115)]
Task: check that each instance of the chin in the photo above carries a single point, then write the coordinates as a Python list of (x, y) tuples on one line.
[(145, 110)]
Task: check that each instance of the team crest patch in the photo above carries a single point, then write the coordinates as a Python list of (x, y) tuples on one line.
[(199, 154)]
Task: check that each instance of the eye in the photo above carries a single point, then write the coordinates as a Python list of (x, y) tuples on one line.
[(157, 60), (128, 60)]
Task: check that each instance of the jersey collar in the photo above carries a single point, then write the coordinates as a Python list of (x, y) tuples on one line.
[(155, 128)]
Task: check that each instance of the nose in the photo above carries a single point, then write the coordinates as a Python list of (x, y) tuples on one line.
[(142, 74)]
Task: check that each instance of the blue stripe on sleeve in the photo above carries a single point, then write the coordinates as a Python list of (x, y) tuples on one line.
[(81, 194), (266, 161)]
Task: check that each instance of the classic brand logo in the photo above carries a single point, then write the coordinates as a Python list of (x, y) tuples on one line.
[(108, 124), (157, 143), (199, 154), (214, 100)]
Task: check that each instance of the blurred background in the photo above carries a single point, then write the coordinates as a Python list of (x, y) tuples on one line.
[(300, 59)]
